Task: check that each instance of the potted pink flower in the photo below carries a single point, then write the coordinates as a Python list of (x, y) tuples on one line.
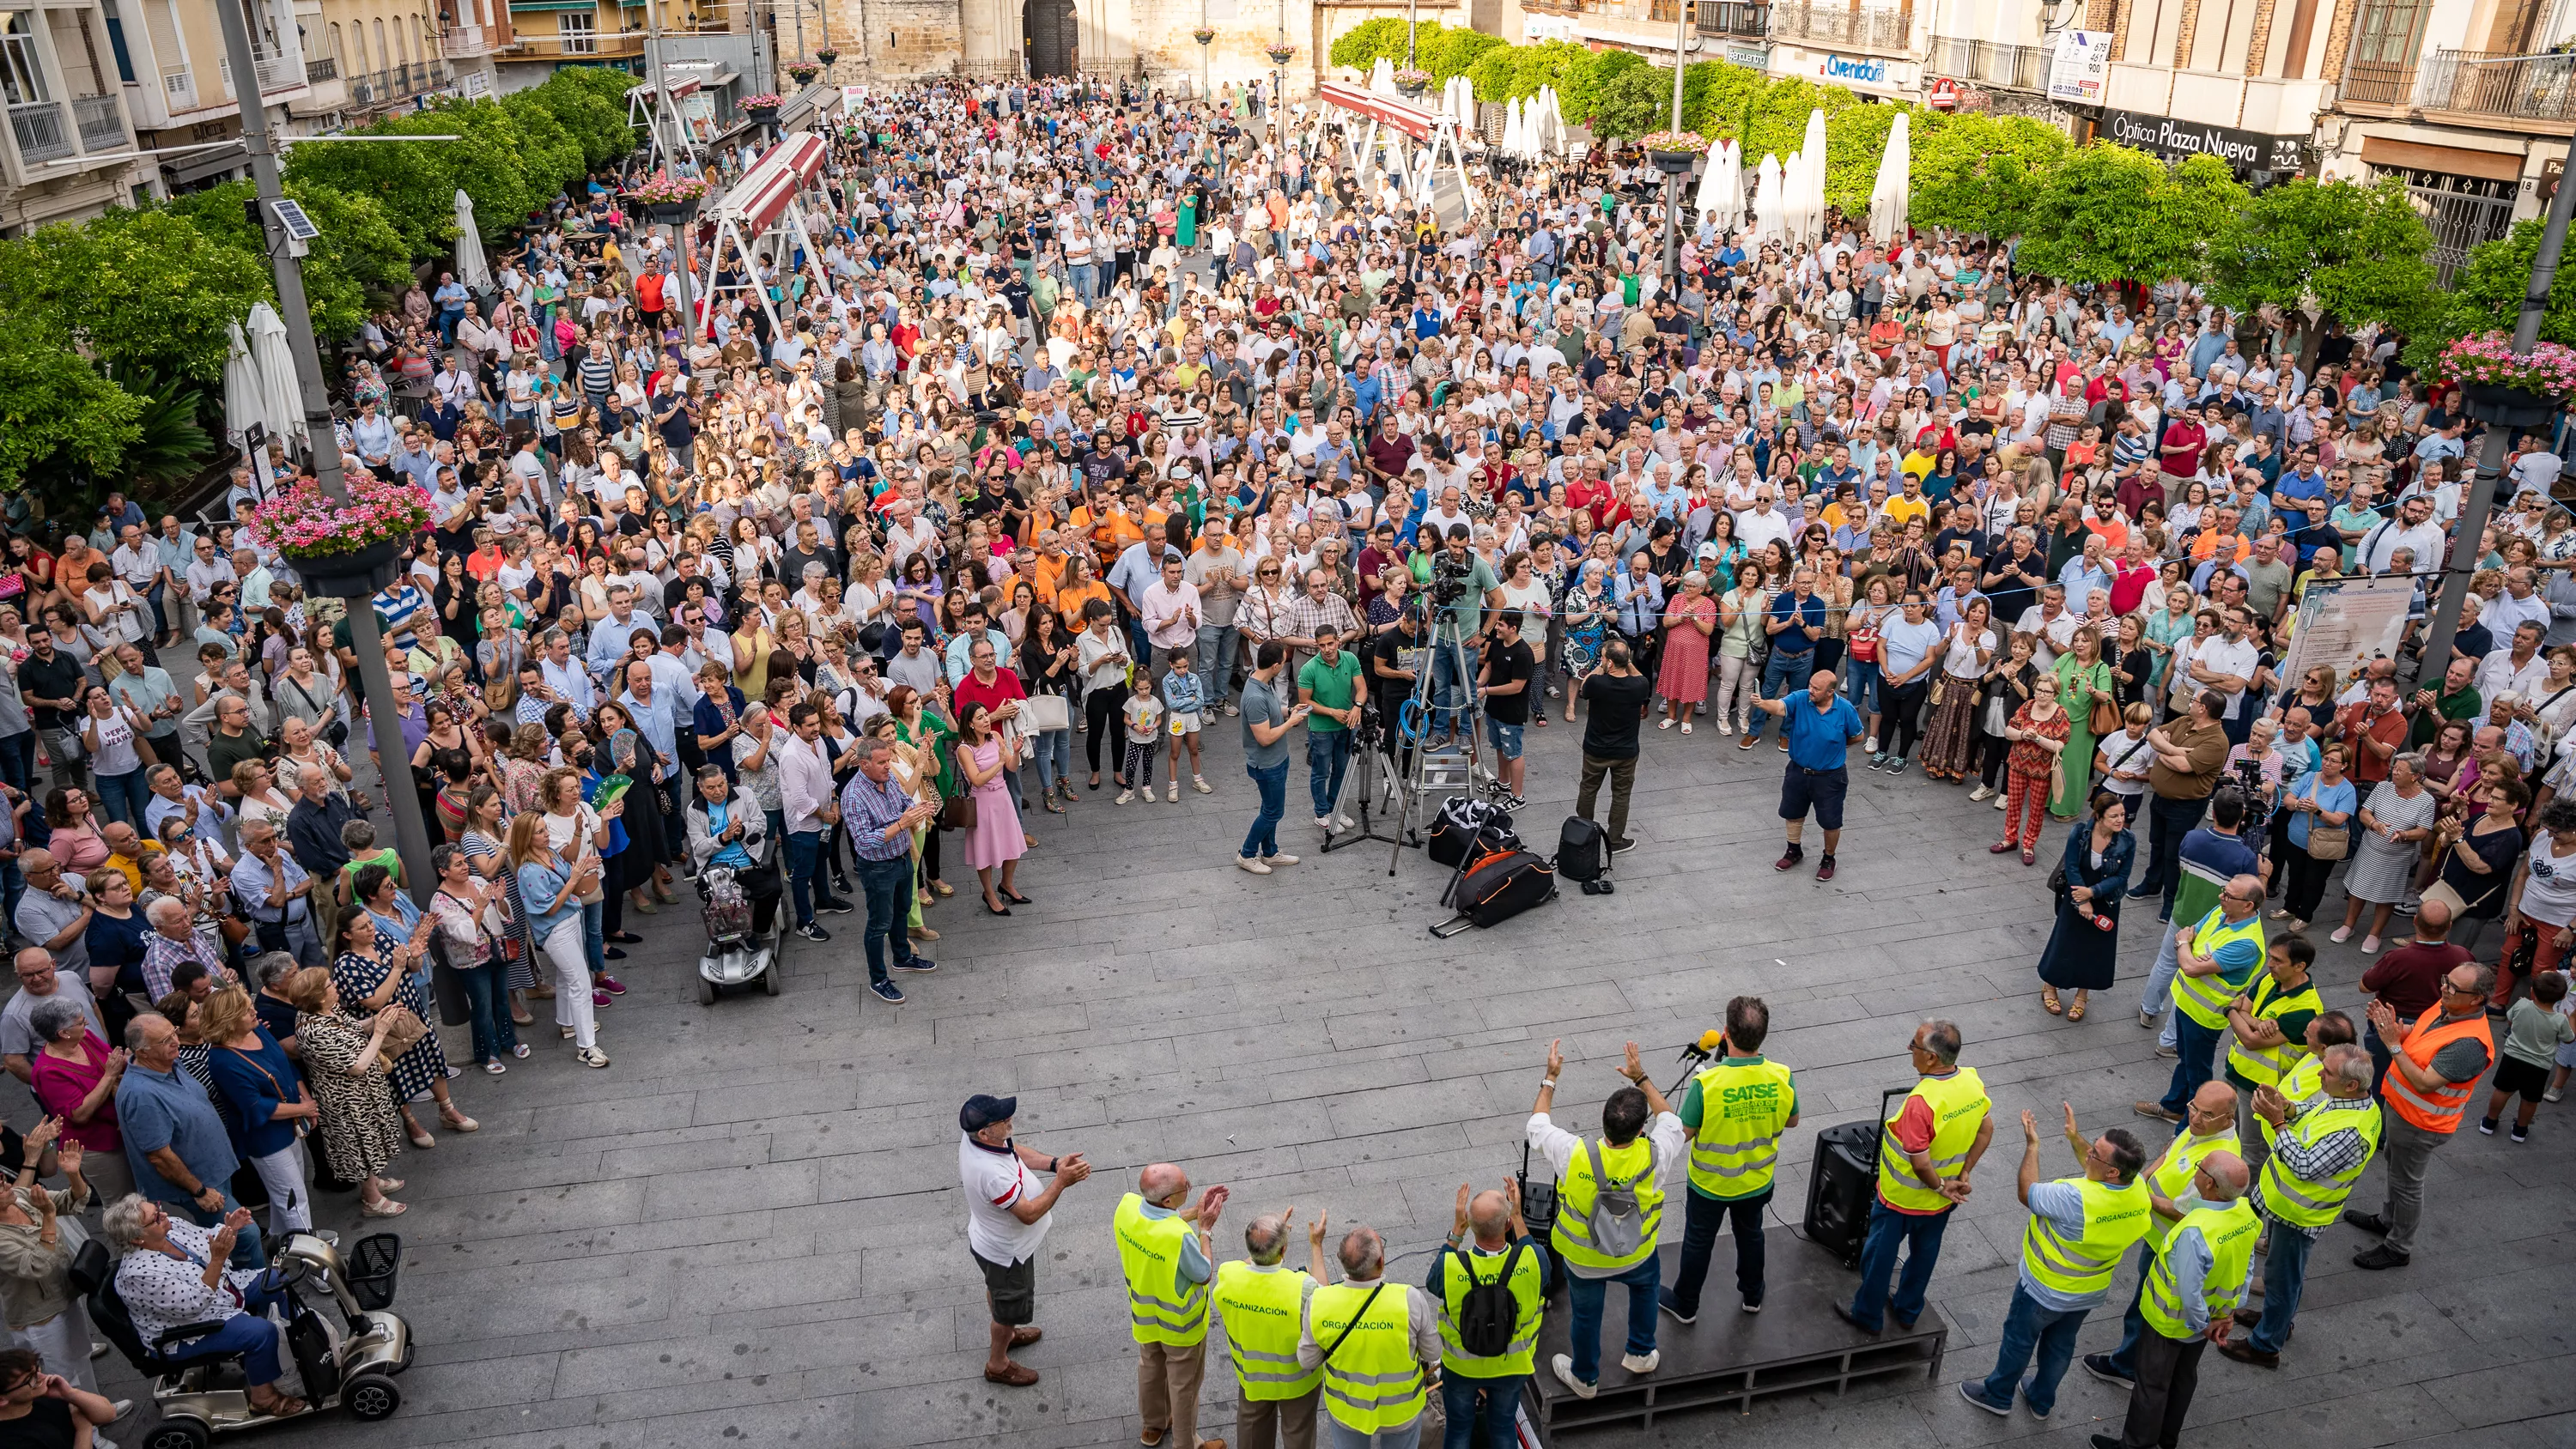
[(1203, 35), (762, 108), (826, 57), (803, 72), (1412, 80), (1282, 53), (669, 199), (1675, 152), (346, 549), (2509, 388)]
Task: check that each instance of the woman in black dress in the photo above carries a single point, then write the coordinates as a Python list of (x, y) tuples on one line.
[(2083, 952)]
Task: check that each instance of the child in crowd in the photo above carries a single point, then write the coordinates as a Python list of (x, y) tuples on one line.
[(2537, 1030), (1144, 716), (1182, 696)]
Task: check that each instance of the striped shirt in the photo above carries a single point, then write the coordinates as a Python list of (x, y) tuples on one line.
[(869, 808)]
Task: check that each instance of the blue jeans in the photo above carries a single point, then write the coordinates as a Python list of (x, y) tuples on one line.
[(1501, 1399), (2028, 1329), (1780, 673), (18, 759), (1053, 751), (1704, 1216), (2199, 1049), (248, 1333), (1645, 1285), (886, 886), (804, 863), (594, 937), (2285, 1278), (1263, 838), (495, 1034), (123, 797), (1328, 758), (1449, 692), (2157, 996), (1862, 685), (1215, 658), (1921, 1233)]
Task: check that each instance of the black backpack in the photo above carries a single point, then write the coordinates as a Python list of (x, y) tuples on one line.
[(1581, 852), (1488, 1316)]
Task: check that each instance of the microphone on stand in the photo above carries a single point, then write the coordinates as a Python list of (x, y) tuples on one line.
[(1694, 1054)]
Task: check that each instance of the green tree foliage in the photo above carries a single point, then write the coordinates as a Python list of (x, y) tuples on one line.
[(1456, 51), (2360, 251), (2486, 294), (595, 115), (133, 289), (1580, 95), (2111, 213), (1776, 122), (357, 262), (54, 404), (1635, 100), (1983, 173), (1516, 72), (1360, 47), (551, 153), (1717, 98), (1855, 141), (413, 182)]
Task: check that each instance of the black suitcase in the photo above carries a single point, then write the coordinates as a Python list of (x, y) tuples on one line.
[(1462, 824), (1582, 852), (1504, 886), (1842, 1183)]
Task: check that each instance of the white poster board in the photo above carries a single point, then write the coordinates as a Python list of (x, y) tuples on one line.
[(2345, 623), (2080, 68)]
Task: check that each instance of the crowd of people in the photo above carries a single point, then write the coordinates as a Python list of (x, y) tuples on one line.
[(1087, 418)]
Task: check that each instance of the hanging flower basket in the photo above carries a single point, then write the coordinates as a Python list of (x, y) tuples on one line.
[(347, 549), (803, 74), (2510, 389), (1282, 54), (1203, 36), (669, 199), (1412, 81), (826, 56), (762, 109)]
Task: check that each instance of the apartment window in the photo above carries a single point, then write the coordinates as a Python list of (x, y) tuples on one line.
[(580, 31), (2388, 32), (22, 71), (2155, 27), (116, 43)]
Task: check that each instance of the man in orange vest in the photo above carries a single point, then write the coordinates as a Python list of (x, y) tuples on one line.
[(2435, 1066)]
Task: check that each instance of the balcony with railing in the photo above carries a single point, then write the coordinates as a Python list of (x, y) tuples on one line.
[(1827, 22), (101, 123), (2485, 88), (579, 45), (2376, 83), (466, 42), (39, 132), (1745, 22), (320, 68), (276, 71), (1991, 62)]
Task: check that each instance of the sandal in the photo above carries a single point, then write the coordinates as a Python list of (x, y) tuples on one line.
[(1053, 808), (2048, 1001), (2075, 1010), (943, 888), (385, 1209)]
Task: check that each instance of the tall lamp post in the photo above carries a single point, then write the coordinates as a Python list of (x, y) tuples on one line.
[(2501, 425), (411, 836)]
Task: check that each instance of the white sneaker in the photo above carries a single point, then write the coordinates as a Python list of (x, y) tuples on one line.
[(1646, 1365), (1200, 784), (1123, 797), (1251, 864), (1283, 858), (1981, 794), (1563, 1363), (1173, 795), (1347, 822), (1870, 747), (1323, 822), (1726, 726)]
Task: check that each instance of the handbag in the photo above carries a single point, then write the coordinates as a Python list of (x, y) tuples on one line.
[(405, 1033), (2105, 719), (957, 812), (1936, 695), (2330, 842), (1043, 712)]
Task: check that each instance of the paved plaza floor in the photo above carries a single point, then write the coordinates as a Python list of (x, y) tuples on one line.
[(748, 1230)]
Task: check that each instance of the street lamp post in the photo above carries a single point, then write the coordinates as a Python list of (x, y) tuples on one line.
[(411, 836)]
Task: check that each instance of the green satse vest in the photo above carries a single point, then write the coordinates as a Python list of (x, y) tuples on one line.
[(2230, 1231), (1743, 1108), (1454, 1282), (2297, 1086), (1371, 1382), (1162, 1307), (2267, 1002), (1959, 1105), (1572, 1235), (2294, 1199), (2115, 1218), (2172, 1177), (2204, 998), (1261, 1311)]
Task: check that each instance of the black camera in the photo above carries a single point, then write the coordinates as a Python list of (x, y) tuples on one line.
[(1449, 576)]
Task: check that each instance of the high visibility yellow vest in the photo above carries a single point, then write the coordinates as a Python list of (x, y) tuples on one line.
[(2265, 1066), (1458, 1274), (2172, 1177), (2230, 1230), (2303, 1081), (1371, 1381), (1162, 1306), (1743, 1109), (1959, 1105), (2115, 1218), (1262, 1312), (1572, 1235), (2294, 1199), (2204, 998)]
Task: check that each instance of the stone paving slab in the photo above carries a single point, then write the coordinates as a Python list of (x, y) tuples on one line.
[(749, 1230)]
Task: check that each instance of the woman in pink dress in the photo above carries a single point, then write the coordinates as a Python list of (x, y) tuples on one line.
[(983, 760), (1688, 621)]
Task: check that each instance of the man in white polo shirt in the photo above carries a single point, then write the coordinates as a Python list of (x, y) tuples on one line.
[(1006, 1220)]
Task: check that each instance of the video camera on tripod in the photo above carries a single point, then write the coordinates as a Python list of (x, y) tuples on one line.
[(1450, 574)]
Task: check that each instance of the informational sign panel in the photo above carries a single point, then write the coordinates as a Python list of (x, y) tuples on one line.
[(2080, 68), (2345, 623)]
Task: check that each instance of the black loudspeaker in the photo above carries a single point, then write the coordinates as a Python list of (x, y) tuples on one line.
[(1841, 1183)]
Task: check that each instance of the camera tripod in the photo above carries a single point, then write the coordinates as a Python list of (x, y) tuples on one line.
[(1451, 768)]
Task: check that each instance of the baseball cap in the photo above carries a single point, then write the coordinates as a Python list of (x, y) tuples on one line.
[(1708, 552), (982, 1111)]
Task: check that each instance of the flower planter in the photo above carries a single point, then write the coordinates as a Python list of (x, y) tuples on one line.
[(1674, 163), (1204, 37), (762, 115), (1282, 54), (356, 575), (671, 213), (2510, 407), (1410, 90), (826, 56)]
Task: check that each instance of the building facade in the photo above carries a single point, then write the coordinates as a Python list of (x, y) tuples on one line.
[(70, 148)]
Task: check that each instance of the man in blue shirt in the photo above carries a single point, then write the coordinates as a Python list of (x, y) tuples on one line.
[(178, 1149), (1796, 621), (2302, 482), (1818, 729)]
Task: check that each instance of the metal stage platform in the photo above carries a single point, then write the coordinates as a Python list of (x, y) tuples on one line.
[(1731, 1357)]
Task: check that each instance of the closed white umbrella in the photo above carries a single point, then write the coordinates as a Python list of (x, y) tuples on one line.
[(1382, 79), (472, 268), (1892, 197), (1814, 175), (281, 401), (1731, 198), (1712, 181), (1793, 196), (242, 400), (1768, 223)]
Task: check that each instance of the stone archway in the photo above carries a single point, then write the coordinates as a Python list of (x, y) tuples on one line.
[(1050, 37)]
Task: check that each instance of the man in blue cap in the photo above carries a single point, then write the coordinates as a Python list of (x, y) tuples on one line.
[(1006, 1220)]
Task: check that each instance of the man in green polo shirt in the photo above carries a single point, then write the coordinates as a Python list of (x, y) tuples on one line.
[(1733, 1113), (2457, 699), (1329, 684)]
